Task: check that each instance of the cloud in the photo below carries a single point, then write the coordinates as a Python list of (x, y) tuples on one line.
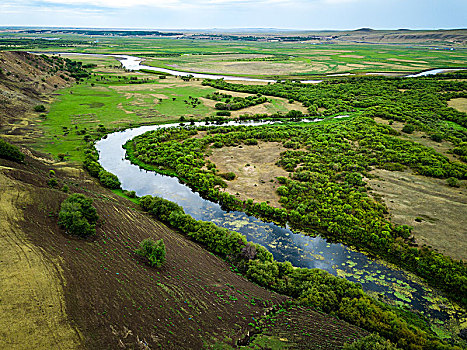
[(173, 4)]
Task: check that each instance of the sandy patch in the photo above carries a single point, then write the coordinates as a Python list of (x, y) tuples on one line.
[(352, 56), (252, 181), (441, 208), (408, 61), (459, 103), (120, 106)]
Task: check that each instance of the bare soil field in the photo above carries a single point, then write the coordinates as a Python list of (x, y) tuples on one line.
[(458, 103), (255, 170), (440, 209), (305, 335), (111, 295)]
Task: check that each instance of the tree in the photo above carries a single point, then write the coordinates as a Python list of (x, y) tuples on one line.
[(453, 182), (78, 216), (39, 108), (109, 180), (408, 128), (153, 251)]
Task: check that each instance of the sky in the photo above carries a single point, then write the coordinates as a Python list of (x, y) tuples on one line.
[(205, 14)]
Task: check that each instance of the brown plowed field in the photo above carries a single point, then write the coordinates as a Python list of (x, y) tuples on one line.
[(112, 299)]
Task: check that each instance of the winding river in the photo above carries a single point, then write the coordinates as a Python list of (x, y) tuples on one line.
[(389, 283), (383, 281)]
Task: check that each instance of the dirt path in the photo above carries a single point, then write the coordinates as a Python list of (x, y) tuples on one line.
[(32, 311)]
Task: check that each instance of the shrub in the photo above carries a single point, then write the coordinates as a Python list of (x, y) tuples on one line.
[(223, 113), (251, 142), (52, 182), (8, 151), (109, 180), (228, 176), (453, 182), (39, 108), (93, 167), (408, 128), (101, 128), (130, 194), (437, 137), (153, 251), (78, 216)]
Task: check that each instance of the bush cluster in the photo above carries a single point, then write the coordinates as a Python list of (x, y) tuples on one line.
[(153, 251), (92, 165), (78, 216), (9, 151)]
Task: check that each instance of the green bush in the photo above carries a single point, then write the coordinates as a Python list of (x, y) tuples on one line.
[(408, 128), (228, 176), (453, 182), (8, 151), (130, 194), (39, 108), (109, 180), (371, 342), (437, 137), (52, 182), (78, 216), (153, 251)]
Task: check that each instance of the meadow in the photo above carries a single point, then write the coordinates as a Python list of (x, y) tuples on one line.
[(114, 99)]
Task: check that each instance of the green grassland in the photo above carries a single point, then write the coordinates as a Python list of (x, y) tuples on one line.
[(114, 99)]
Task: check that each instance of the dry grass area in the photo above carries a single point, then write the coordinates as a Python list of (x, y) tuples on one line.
[(442, 209), (243, 67), (32, 310), (459, 103), (254, 167), (407, 61), (263, 108)]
